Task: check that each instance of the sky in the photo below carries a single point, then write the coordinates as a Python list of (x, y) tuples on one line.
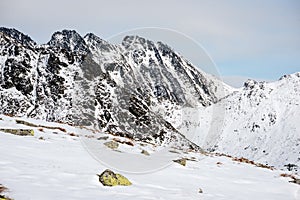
[(257, 39)]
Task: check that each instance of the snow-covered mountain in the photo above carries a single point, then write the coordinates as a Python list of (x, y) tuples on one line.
[(147, 91), (135, 89), (261, 123)]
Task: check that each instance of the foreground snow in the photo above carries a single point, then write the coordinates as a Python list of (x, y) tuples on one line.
[(57, 166)]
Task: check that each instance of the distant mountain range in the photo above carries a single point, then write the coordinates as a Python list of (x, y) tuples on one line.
[(147, 91)]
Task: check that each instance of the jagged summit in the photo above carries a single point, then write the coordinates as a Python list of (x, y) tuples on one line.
[(21, 38), (69, 40), (133, 41), (136, 89), (97, 44), (250, 84), (93, 37), (295, 76)]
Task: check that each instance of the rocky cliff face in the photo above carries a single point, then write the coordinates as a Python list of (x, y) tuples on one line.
[(136, 89)]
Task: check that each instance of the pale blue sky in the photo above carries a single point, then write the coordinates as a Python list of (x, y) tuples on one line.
[(257, 38)]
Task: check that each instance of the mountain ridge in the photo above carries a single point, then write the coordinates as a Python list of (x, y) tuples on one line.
[(88, 76), (261, 120), (146, 91)]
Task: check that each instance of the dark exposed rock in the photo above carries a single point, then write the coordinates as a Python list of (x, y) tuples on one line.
[(146, 153), (181, 161), (21, 38), (297, 181), (200, 190), (291, 167), (90, 82), (69, 40)]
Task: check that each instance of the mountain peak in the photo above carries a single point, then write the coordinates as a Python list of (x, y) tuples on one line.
[(70, 40), (92, 36), (25, 40), (291, 76), (65, 33), (250, 83), (136, 42)]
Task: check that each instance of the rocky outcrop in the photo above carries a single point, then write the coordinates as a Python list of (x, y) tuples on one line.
[(109, 178), (111, 144), (181, 161), (20, 132)]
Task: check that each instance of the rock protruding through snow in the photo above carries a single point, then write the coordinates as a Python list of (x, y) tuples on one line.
[(109, 178)]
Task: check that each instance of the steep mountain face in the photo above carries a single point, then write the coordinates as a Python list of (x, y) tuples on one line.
[(261, 122), (145, 90), (137, 89), (18, 58)]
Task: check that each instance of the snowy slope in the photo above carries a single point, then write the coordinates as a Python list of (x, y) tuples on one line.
[(59, 167), (146, 91), (260, 122)]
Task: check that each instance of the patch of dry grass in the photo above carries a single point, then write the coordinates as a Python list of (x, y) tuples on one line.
[(41, 126), (245, 160)]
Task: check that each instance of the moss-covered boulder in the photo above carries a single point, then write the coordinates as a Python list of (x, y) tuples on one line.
[(181, 161), (112, 144), (21, 132), (146, 153), (109, 178)]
